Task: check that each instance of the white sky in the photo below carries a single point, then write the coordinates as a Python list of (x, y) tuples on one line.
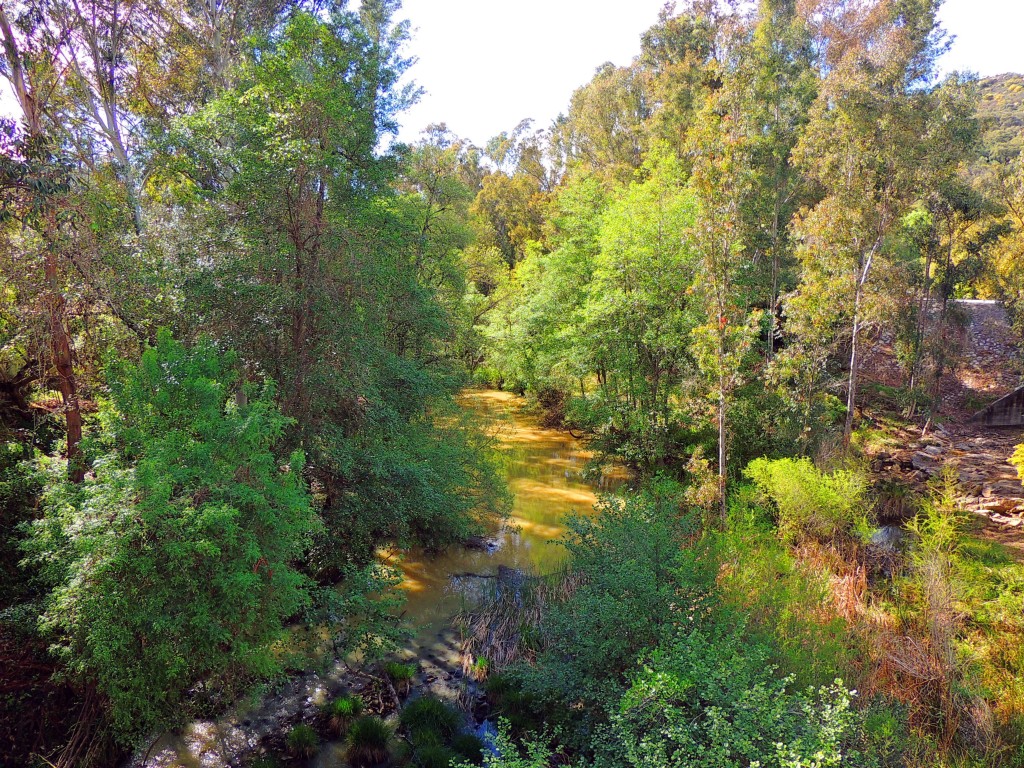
[(487, 64)]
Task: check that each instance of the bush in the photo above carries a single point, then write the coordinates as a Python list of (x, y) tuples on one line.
[(302, 741), (635, 572), (713, 699), (184, 537), (427, 717), (811, 504), (469, 746), (434, 756), (534, 753), (369, 741)]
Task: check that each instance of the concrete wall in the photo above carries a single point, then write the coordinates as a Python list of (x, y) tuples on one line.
[(1005, 412)]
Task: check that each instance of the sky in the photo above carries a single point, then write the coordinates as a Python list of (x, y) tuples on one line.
[(487, 64)]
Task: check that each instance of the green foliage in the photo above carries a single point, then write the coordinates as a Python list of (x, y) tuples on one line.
[(469, 746), (19, 488), (535, 753), (398, 672), (713, 699), (1017, 459), (369, 741), (636, 576), (427, 719), (302, 741), (173, 565), (345, 706), (354, 323), (342, 710), (434, 756), (811, 504), (779, 598)]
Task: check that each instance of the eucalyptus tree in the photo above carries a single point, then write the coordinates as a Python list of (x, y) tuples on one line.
[(864, 147)]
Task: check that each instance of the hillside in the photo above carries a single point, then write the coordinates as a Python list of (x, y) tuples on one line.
[(1002, 108)]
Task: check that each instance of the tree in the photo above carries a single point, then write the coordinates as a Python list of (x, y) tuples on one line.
[(320, 275), (863, 146), (39, 184), (173, 564), (721, 180)]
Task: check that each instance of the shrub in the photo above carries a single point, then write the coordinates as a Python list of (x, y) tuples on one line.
[(302, 741), (635, 571), (1018, 460), (369, 741), (342, 710), (713, 699), (434, 756), (426, 716), (534, 753), (470, 746), (811, 504), (187, 533)]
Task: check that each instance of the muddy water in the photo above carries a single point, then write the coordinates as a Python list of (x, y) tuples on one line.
[(544, 471)]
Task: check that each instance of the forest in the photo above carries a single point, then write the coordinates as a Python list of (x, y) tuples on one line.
[(769, 270)]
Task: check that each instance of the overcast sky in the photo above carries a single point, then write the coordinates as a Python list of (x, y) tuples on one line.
[(487, 64)]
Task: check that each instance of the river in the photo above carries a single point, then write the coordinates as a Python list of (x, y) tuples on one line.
[(544, 470)]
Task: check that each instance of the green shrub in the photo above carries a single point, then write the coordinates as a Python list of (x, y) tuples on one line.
[(434, 756), (187, 532), (811, 504), (713, 699), (507, 697), (635, 570), (426, 717), (1018, 460), (533, 753), (470, 746), (342, 710), (369, 741), (302, 741)]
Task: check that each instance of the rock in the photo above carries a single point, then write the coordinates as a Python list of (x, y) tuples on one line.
[(924, 462), (888, 537)]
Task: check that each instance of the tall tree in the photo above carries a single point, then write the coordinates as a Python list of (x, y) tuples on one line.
[(864, 146)]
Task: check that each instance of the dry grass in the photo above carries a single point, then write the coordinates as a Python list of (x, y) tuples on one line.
[(504, 627)]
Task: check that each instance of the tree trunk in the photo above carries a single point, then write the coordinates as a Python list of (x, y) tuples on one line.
[(723, 508), (63, 361), (851, 391)]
